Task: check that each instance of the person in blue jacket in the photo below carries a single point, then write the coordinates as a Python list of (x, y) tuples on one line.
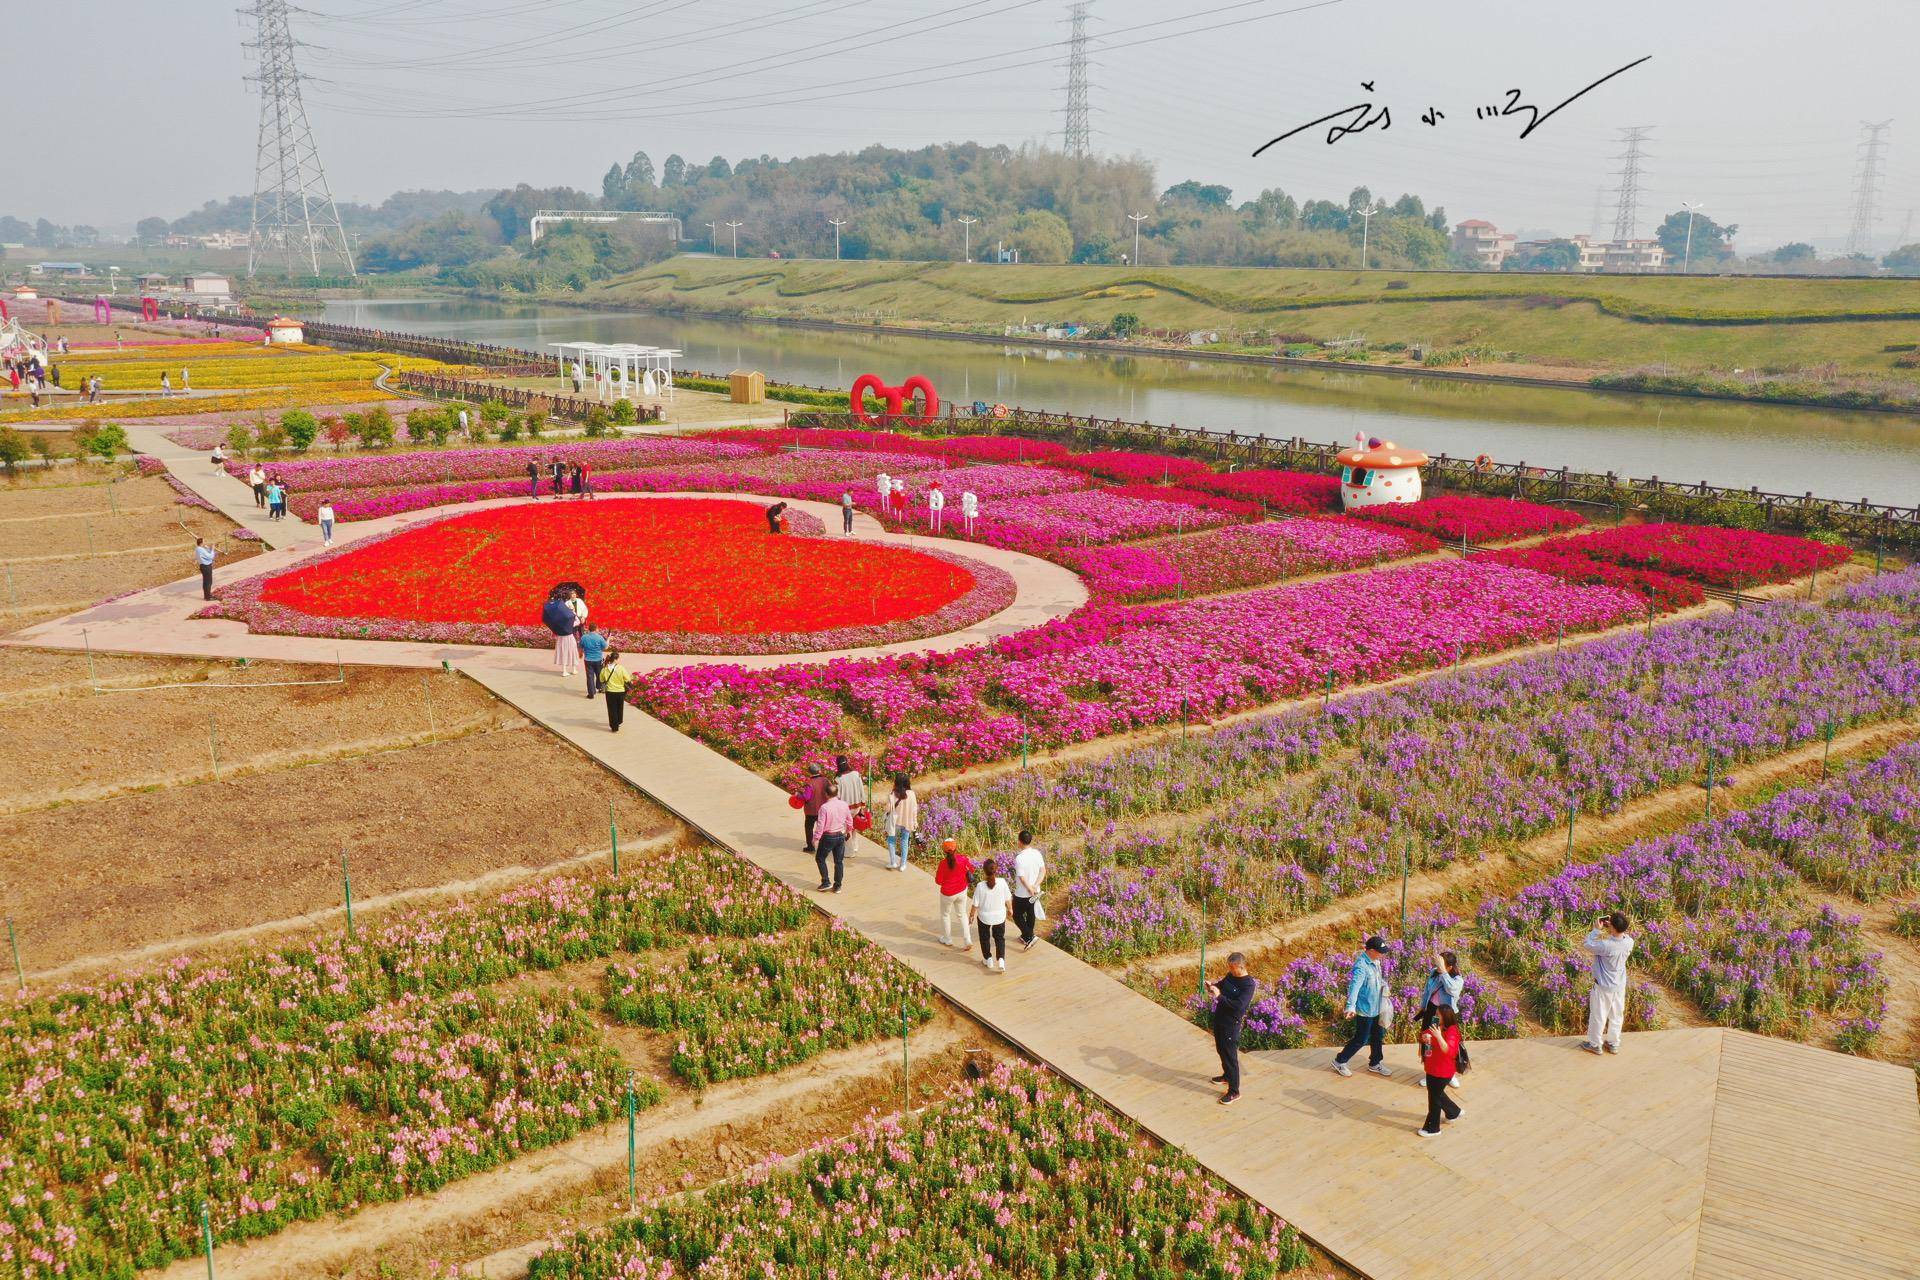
[(559, 618), (593, 652), (1367, 1006)]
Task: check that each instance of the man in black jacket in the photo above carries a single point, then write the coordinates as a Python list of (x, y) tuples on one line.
[(1232, 997)]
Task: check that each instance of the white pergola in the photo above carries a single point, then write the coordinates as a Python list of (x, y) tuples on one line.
[(625, 369)]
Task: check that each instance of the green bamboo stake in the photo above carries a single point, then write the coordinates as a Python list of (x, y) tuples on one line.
[(1828, 749), (613, 830), (90, 550), (1572, 809), (631, 1162), (906, 1080), (1406, 874), (1326, 692), (13, 600), (213, 746), (426, 688), (13, 941), (87, 643), (1711, 761), (1202, 984), (1023, 747), (346, 884), (206, 1237)]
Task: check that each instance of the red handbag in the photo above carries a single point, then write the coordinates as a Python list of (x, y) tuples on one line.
[(796, 802), (863, 820)]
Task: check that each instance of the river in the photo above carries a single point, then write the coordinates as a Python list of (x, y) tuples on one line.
[(1833, 454)]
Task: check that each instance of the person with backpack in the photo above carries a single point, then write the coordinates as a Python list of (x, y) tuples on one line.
[(557, 614), (1368, 1006), (533, 478), (1444, 985), (953, 876), (1439, 1051)]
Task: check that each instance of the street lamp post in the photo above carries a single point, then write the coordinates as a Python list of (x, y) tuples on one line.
[(1136, 219), (713, 237), (966, 238), (1366, 225), (836, 224), (734, 227), (1686, 261)]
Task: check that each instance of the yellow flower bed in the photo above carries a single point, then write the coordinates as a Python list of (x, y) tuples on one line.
[(164, 406), (186, 352)]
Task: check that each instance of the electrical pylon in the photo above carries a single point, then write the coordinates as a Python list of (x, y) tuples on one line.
[(293, 212)]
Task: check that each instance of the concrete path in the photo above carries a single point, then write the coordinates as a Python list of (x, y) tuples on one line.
[(1564, 1163), (231, 497)]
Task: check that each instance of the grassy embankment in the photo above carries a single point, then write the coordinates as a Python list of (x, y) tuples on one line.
[(1574, 327)]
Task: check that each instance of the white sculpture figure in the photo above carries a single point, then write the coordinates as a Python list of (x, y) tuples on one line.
[(648, 387), (969, 508), (936, 506), (884, 483)]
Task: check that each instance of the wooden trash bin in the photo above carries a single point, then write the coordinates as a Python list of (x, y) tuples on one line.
[(747, 387)]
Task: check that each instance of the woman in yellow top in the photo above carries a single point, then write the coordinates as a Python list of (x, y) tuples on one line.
[(614, 679)]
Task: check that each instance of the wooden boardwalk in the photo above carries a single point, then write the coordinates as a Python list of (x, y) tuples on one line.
[(1698, 1153)]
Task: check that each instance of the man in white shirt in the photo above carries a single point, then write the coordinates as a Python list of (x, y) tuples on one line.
[(203, 556), (1609, 944), (1029, 873)]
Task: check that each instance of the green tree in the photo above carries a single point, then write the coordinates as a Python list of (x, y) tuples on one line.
[(13, 449), (1904, 261), (674, 172), (272, 436), (1796, 251), (1712, 241), (240, 440), (1206, 195), (374, 428), (1125, 324), (301, 428), (150, 230), (1098, 249), (639, 173), (1041, 236), (613, 185), (1554, 255), (624, 414), (109, 442)]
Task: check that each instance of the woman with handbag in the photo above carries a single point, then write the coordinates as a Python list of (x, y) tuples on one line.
[(614, 679)]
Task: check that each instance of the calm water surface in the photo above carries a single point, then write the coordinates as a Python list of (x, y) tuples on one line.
[(1785, 450)]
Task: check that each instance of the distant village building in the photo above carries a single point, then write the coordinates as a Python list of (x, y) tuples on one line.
[(1620, 255), (207, 284), (58, 269), (1482, 241)]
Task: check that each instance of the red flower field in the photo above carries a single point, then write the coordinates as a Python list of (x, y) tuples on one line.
[(680, 574)]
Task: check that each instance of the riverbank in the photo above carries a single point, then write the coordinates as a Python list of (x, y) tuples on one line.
[(1835, 344)]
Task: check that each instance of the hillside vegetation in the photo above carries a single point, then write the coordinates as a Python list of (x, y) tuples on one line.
[(1597, 323)]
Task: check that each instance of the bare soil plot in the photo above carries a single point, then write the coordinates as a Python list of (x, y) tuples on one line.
[(180, 859)]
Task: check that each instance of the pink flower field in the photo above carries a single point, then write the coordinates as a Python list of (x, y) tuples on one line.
[(1108, 669), (1241, 556)]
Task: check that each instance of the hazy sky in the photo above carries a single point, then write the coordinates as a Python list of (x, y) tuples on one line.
[(1757, 106)]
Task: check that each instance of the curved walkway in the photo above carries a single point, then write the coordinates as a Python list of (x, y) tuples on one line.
[(160, 620)]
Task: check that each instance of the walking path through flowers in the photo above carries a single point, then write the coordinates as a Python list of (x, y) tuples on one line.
[(1566, 1159)]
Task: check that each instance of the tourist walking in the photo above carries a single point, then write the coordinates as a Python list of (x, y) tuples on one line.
[(953, 876), (902, 812), (276, 499), (1609, 944), (1444, 984), (558, 470), (831, 831), (1029, 873), (186, 383), (989, 912), (593, 653), (219, 456), (813, 793), (203, 556), (614, 680), (560, 620), (585, 487), (1232, 997), (848, 783), (573, 479), (1369, 1008), (258, 479), (533, 478), (846, 511), (325, 516), (579, 377), (1439, 1053), (577, 601), (465, 433), (166, 383)]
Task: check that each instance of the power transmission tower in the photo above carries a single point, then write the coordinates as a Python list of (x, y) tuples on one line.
[(1078, 134), (1599, 213), (1626, 210), (293, 211), (1866, 186)]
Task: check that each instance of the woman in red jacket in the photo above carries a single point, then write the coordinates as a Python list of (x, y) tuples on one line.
[(1440, 1055), (952, 874)]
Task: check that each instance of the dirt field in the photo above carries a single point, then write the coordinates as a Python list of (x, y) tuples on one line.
[(117, 838), (65, 545)]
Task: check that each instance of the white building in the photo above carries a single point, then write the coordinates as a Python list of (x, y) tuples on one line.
[(207, 284), (1484, 242)]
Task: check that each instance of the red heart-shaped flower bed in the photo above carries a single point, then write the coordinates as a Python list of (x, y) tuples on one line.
[(689, 575)]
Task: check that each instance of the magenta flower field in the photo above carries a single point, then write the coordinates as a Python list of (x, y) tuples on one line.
[(1240, 556)]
